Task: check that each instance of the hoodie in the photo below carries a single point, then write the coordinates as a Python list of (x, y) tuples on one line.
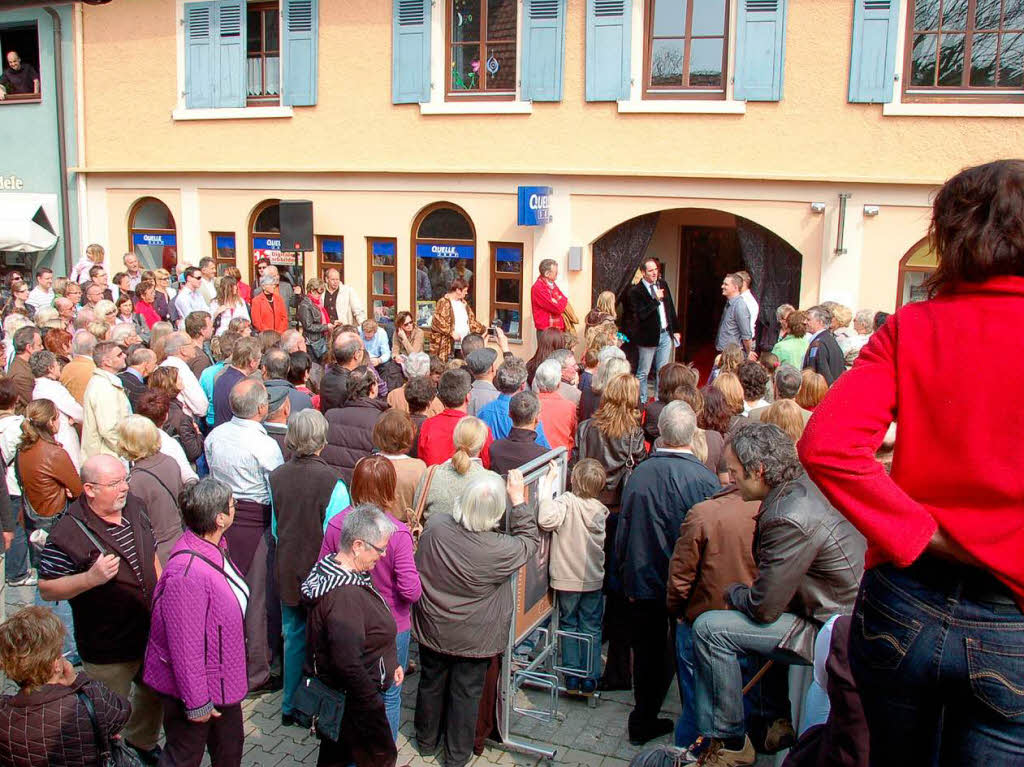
[(577, 543)]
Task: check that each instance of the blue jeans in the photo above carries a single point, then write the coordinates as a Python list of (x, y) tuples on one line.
[(293, 628), (393, 695), (63, 611), (721, 639), (16, 562), (581, 612), (937, 652), (686, 724), (659, 355)]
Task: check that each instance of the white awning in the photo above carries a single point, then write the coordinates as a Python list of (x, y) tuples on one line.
[(28, 222)]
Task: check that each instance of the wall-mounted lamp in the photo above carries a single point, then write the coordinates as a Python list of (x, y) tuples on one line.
[(871, 210), (817, 207)]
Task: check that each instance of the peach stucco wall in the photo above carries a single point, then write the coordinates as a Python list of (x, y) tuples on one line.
[(130, 89)]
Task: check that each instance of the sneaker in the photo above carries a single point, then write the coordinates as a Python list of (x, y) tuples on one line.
[(717, 755), (779, 736), (31, 579)]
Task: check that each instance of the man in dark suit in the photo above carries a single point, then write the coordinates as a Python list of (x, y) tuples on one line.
[(141, 362), (653, 325), (823, 355)]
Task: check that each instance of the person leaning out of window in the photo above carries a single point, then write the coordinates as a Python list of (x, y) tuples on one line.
[(47, 721)]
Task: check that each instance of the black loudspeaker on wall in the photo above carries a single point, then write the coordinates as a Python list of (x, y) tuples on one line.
[(296, 226)]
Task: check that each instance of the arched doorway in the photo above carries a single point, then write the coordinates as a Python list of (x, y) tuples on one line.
[(916, 266), (697, 248), (152, 236), (265, 242), (443, 248)]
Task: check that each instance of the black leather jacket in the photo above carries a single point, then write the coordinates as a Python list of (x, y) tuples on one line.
[(810, 560), (313, 327)]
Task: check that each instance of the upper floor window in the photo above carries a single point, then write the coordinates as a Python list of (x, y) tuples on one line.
[(965, 50), (263, 54), (19, 72), (686, 48), (482, 48)]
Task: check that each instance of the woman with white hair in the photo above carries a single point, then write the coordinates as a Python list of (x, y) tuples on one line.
[(351, 641), (611, 362), (464, 616)]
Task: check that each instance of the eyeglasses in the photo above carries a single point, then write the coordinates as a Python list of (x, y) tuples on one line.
[(115, 483), (380, 551)]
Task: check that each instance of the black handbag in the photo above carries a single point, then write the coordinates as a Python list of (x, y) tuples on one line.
[(322, 705), (112, 753)]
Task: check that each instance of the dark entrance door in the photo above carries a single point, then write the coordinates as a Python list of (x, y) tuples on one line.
[(707, 254)]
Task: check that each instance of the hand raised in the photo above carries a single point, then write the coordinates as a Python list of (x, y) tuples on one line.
[(104, 568)]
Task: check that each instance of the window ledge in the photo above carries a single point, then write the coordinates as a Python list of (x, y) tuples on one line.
[(683, 107), (948, 109), (231, 113), (477, 108)]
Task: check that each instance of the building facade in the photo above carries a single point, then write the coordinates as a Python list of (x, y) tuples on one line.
[(801, 139), (39, 215)]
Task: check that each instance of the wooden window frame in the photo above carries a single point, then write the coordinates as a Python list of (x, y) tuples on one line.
[(965, 92), (417, 240), (480, 94), (321, 264), (24, 98), (261, 7), (252, 234), (214, 250), (371, 268), (133, 230), (684, 92), (520, 276)]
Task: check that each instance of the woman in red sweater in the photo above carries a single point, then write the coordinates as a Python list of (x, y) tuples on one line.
[(937, 643)]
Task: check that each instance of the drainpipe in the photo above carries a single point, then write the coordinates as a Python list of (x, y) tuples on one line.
[(65, 198)]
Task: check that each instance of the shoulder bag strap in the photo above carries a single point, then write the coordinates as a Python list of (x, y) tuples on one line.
[(416, 521), (102, 745), (89, 534), (162, 483)]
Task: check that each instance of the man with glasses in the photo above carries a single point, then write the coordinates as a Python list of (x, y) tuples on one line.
[(97, 278), (105, 402), (110, 592), (190, 298)]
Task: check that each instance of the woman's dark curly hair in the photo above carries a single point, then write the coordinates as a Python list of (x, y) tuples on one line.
[(977, 228), (716, 413)]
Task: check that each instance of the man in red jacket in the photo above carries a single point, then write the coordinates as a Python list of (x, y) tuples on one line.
[(547, 300), (435, 443)]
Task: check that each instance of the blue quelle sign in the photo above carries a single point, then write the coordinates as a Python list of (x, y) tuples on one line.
[(444, 250), (534, 205)]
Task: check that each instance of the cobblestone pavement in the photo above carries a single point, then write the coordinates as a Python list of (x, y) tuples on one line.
[(590, 737)]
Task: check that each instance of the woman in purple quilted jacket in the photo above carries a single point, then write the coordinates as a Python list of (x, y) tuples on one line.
[(196, 653)]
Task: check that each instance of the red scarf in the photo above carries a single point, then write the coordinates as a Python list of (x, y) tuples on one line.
[(320, 306)]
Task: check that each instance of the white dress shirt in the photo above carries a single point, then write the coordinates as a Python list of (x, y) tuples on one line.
[(242, 454), (68, 407), (192, 396), (661, 305), (170, 447), (752, 306), (188, 301)]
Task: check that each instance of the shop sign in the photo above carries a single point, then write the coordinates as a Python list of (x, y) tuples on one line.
[(534, 205), (270, 248), (11, 183), (444, 250), (154, 240)]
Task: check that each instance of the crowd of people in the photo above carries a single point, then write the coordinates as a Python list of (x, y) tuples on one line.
[(220, 492)]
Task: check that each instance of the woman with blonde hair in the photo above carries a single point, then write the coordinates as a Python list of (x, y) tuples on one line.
[(157, 335), (614, 439), (227, 305), (163, 301), (728, 361), (244, 291), (603, 311), (46, 721), (99, 329), (104, 311), (155, 479), (813, 389), (443, 484), (731, 388), (786, 414)]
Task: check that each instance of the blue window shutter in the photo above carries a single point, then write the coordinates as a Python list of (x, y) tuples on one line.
[(199, 59), (760, 50), (300, 52), (543, 50), (608, 37), (873, 52), (410, 51), (229, 43)]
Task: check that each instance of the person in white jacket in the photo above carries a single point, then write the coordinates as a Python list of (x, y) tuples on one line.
[(105, 403), (46, 369), (577, 522), (180, 350)]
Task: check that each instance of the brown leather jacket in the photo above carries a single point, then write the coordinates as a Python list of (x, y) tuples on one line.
[(46, 471), (714, 550)]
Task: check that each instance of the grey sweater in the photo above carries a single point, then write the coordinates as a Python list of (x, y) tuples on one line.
[(577, 541)]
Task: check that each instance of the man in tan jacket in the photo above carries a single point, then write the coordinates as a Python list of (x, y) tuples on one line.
[(105, 404), (78, 372)]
